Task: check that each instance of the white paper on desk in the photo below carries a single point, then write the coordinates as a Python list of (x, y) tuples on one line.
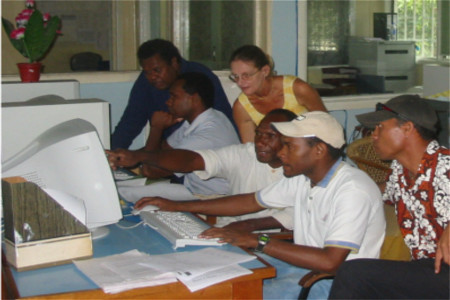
[(116, 273), (124, 286), (194, 263), (209, 278)]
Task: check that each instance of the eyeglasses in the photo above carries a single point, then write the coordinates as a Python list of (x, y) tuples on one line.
[(245, 76), (381, 106)]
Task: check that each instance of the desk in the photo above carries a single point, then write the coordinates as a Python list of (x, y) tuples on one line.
[(66, 281)]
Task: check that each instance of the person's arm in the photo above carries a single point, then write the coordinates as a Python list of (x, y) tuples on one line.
[(443, 250), (244, 123), (174, 160), (254, 224), (326, 259), (135, 115), (160, 121), (307, 96), (226, 206)]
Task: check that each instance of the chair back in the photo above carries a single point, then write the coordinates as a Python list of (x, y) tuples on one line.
[(85, 61), (361, 151)]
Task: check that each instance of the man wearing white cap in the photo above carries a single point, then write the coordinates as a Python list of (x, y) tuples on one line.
[(338, 209)]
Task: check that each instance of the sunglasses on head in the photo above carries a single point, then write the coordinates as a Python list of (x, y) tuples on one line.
[(381, 106)]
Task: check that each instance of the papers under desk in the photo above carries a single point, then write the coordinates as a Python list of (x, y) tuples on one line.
[(66, 281)]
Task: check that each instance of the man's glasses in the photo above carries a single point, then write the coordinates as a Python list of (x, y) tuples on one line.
[(245, 76), (381, 106)]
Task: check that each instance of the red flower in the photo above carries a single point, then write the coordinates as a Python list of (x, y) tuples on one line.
[(46, 17), (29, 3), (18, 33), (26, 12), (22, 21)]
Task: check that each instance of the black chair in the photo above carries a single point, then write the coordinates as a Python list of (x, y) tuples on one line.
[(86, 61)]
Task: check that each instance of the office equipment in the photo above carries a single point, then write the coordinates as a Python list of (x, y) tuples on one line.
[(436, 80), (179, 228), (18, 91), (69, 158), (385, 26), (38, 230), (123, 174), (394, 60), (22, 122), (66, 282), (145, 208)]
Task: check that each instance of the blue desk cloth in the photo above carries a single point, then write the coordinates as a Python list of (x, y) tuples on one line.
[(67, 278)]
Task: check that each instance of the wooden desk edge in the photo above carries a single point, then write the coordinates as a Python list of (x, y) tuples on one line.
[(243, 287)]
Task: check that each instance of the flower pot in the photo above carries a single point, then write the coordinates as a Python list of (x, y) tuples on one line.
[(30, 72)]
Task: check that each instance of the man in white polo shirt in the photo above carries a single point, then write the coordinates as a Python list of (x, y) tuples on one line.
[(247, 167), (338, 209)]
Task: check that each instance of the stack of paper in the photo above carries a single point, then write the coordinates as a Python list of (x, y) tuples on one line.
[(195, 269), (202, 268), (121, 272)]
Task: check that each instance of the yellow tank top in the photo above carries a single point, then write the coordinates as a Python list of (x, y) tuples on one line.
[(290, 102)]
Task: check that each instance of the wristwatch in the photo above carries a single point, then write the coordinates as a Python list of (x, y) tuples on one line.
[(263, 240)]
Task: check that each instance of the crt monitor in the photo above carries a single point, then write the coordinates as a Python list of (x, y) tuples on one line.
[(69, 160)]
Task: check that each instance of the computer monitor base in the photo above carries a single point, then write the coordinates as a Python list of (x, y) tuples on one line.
[(99, 232)]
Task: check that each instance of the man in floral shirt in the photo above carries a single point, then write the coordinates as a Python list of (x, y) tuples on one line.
[(419, 187)]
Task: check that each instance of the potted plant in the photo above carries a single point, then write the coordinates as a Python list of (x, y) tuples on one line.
[(33, 36)]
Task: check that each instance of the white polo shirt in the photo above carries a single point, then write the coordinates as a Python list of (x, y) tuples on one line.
[(240, 167), (210, 130), (343, 210)]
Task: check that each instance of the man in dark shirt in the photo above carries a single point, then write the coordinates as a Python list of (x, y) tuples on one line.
[(161, 63)]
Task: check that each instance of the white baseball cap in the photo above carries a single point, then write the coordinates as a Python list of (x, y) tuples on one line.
[(314, 124)]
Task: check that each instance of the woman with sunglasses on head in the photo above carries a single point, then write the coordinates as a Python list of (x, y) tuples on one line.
[(262, 91)]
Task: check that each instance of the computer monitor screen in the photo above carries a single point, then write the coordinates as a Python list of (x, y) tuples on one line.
[(69, 159)]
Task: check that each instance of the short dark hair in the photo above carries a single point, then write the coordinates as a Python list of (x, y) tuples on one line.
[(164, 48), (195, 82), (334, 153), (251, 53), (284, 112)]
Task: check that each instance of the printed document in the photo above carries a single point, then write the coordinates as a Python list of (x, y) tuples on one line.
[(195, 269), (120, 272)]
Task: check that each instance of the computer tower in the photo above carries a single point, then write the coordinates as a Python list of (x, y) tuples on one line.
[(385, 26)]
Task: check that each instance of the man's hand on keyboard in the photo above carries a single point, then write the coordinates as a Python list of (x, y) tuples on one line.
[(243, 239), (162, 203)]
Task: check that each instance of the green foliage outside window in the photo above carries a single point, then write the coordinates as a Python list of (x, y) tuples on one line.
[(417, 21)]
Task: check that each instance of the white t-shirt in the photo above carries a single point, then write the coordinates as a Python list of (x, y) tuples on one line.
[(240, 167), (343, 210), (210, 130)]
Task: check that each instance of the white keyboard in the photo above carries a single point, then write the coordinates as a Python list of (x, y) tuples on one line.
[(179, 228)]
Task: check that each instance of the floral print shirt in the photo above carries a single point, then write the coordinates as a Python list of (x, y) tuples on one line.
[(422, 203)]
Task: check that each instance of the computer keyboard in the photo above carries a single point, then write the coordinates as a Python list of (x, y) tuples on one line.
[(179, 228), (121, 174)]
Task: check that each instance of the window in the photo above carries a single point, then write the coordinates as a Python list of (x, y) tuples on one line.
[(417, 21), (328, 32), (209, 31), (206, 31)]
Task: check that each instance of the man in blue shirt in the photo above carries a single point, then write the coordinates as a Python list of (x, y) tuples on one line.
[(190, 101), (161, 63)]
